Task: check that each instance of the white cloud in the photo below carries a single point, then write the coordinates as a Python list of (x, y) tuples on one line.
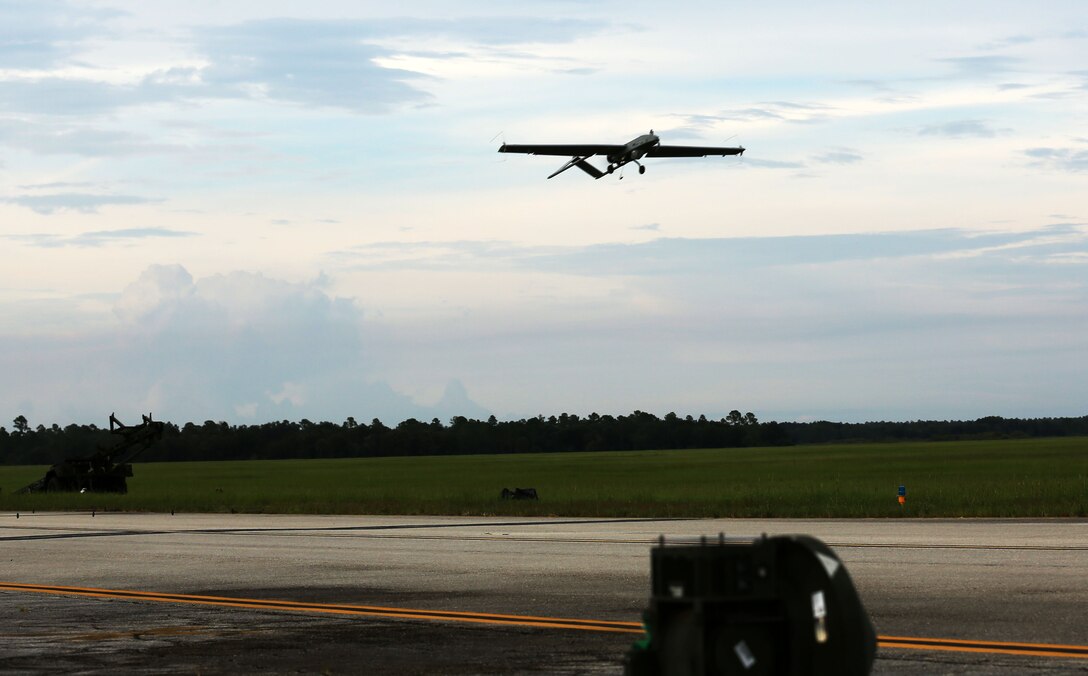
[(159, 288), (45, 32), (838, 156), (207, 348), (962, 129), (246, 411), (290, 392), (51, 138), (1071, 159), (768, 324), (84, 203), (773, 324), (96, 238)]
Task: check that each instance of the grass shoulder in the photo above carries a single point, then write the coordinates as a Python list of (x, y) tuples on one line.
[(1004, 478)]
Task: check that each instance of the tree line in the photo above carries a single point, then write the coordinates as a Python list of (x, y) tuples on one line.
[(24, 444)]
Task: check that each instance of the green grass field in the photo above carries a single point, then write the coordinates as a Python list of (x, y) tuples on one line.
[(1012, 478)]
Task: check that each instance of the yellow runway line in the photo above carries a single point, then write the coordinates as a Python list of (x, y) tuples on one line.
[(1002, 647), (332, 608), (893, 642)]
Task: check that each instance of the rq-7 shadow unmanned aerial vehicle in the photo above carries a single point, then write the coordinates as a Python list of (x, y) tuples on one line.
[(647, 145)]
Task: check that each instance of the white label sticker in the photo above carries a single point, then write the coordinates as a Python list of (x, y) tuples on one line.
[(831, 564), (744, 654), (819, 611)]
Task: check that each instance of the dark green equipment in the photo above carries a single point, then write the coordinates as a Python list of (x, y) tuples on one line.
[(778, 605), (106, 470)]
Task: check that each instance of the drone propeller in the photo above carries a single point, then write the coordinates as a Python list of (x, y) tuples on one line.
[(501, 134), (740, 157)]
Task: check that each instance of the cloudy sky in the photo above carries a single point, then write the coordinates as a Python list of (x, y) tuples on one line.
[(252, 211)]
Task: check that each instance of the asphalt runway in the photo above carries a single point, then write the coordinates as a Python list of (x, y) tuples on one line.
[(153, 593)]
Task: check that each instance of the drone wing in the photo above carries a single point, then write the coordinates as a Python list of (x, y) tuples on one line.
[(570, 149), (692, 151)]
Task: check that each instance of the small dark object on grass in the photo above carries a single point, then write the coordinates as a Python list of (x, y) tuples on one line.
[(520, 494)]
